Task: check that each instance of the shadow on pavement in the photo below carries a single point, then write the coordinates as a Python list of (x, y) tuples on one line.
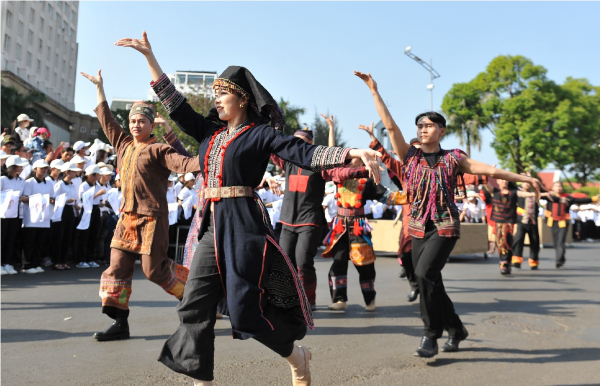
[(537, 307), (16, 306), (535, 356), (366, 330)]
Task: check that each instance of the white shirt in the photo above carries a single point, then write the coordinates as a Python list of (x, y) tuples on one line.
[(368, 205), (378, 210), (16, 184), (119, 197), (23, 133), (171, 196), (177, 188), (77, 182), (475, 211), (330, 202), (26, 172), (32, 186), (184, 193), (275, 212), (104, 209), (69, 189), (85, 187)]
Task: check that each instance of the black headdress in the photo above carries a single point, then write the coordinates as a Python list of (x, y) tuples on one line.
[(241, 80)]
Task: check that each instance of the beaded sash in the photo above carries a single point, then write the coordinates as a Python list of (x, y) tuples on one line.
[(228, 192)]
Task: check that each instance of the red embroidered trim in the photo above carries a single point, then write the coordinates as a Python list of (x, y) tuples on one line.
[(224, 148)]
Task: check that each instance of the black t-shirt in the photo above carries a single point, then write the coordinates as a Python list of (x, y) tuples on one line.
[(432, 158), (504, 206)]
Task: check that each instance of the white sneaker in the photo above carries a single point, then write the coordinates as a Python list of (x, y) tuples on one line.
[(39, 269), (4, 271), (339, 306), (10, 269), (30, 270), (93, 264), (138, 262), (46, 262), (82, 265)]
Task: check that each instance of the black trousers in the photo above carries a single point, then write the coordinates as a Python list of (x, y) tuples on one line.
[(429, 258), (10, 229), (33, 244), (534, 240), (101, 240), (301, 245), (191, 349), (559, 237), (111, 225), (86, 239), (61, 239), (338, 274), (409, 268)]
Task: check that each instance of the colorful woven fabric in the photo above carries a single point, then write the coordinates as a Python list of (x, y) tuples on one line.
[(134, 233), (191, 243), (503, 230), (115, 293), (336, 282), (362, 254), (176, 281), (431, 191)]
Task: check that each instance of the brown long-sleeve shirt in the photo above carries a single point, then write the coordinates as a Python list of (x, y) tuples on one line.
[(153, 166)]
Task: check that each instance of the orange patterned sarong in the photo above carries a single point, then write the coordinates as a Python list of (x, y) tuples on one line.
[(134, 233)]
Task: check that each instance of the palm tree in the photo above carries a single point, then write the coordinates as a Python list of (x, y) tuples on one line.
[(15, 103), (291, 116)]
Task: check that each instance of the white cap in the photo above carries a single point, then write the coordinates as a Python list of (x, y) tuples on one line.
[(80, 145), (78, 159), (40, 164), (103, 165), (574, 207), (112, 157), (69, 166), (92, 169), (329, 187), (23, 117), (57, 163), (189, 177), (179, 175), (105, 171), (3, 154), (15, 160), (118, 177), (172, 178)]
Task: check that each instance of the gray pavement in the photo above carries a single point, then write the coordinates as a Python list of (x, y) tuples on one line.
[(532, 328)]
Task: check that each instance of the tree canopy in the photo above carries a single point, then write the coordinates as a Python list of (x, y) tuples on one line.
[(15, 103), (535, 121)]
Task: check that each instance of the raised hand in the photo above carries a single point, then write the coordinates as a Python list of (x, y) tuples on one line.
[(328, 119), (142, 45), (368, 129), (369, 158), (368, 79), (97, 80), (160, 120)]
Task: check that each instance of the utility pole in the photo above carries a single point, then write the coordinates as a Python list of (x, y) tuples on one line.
[(433, 74)]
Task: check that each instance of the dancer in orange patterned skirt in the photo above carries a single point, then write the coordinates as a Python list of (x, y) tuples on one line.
[(143, 227)]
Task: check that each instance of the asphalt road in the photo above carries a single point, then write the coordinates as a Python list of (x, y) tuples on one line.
[(532, 328)]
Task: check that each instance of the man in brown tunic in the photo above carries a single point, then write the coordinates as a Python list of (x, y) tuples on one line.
[(143, 228)]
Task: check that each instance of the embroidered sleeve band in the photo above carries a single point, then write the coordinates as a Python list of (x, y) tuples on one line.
[(328, 158), (167, 93)]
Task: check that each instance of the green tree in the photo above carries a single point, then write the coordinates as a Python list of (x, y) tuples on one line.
[(14, 103), (466, 117), (321, 132), (122, 117), (291, 116)]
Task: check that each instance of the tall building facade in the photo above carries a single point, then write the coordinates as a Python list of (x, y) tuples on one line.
[(39, 45), (190, 82), (39, 52)]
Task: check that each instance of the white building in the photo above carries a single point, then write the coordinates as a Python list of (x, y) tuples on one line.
[(190, 82), (39, 46)]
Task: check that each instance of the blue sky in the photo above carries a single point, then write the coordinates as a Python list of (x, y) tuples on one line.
[(306, 52)]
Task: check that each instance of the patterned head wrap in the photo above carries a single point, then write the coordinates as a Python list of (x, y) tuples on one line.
[(240, 80), (143, 108)]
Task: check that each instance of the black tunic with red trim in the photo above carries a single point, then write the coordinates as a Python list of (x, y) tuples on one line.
[(250, 276)]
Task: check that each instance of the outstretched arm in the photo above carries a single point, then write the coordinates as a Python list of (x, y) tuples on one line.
[(469, 165), (396, 137), (331, 138), (113, 131)]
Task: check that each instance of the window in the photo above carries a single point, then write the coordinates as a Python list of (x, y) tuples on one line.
[(41, 45), (9, 18), (42, 24), (47, 73), (195, 80), (73, 15), (20, 28), (50, 33), (31, 15), (56, 16), (64, 66), (30, 38), (209, 80), (48, 53), (55, 60), (64, 25), (28, 59), (22, 6), (55, 78), (71, 32), (57, 43), (18, 53), (49, 9), (180, 79), (65, 7), (6, 42), (38, 69)]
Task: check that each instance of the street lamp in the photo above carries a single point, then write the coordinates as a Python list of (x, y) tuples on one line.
[(432, 73)]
